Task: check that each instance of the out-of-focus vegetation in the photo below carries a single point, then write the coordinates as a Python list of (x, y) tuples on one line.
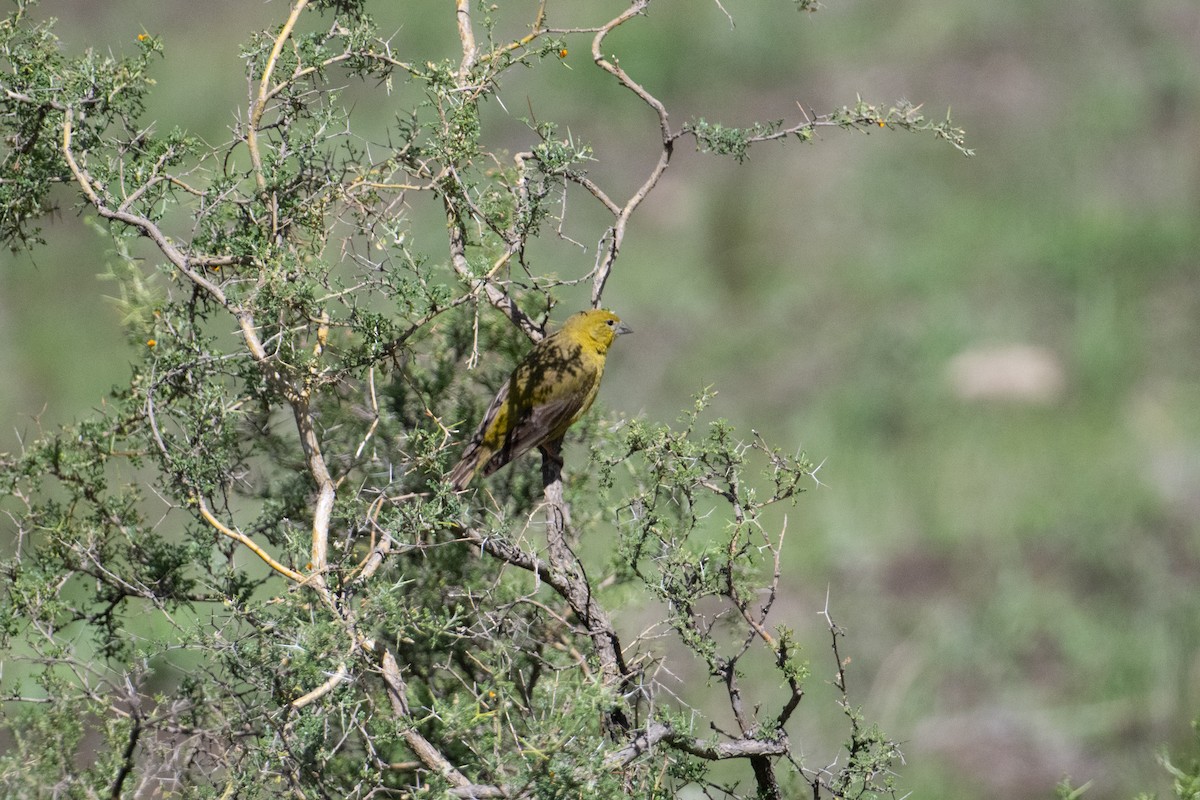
[(1011, 535)]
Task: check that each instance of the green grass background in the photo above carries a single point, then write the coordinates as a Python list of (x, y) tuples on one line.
[(1018, 581)]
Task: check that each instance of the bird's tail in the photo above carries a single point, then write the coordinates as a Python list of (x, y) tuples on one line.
[(466, 467)]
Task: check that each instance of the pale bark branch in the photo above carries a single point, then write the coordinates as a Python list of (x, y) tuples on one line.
[(246, 541), (259, 103), (425, 750), (466, 35), (339, 676)]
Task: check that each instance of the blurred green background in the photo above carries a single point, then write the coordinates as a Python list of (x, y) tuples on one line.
[(997, 359)]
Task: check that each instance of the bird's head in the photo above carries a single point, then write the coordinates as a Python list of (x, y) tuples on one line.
[(598, 326)]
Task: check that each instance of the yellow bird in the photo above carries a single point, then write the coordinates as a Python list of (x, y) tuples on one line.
[(547, 393)]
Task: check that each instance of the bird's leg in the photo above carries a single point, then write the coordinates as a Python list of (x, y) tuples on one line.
[(556, 509), (552, 461)]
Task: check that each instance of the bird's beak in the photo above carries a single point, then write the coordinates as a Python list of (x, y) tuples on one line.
[(622, 328)]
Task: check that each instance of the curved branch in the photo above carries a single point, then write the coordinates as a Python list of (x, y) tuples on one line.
[(243, 539), (604, 268), (259, 104), (177, 257), (180, 260), (636, 9), (430, 756), (340, 675)]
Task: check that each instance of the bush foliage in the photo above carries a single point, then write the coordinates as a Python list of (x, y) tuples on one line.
[(245, 577)]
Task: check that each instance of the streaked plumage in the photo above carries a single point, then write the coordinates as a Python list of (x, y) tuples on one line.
[(547, 393)]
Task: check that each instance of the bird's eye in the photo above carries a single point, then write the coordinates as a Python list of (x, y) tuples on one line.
[(608, 322)]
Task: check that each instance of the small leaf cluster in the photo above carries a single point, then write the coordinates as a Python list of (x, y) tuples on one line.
[(40, 83), (723, 140)]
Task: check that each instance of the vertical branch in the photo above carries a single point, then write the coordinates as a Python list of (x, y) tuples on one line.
[(764, 777), (565, 573), (467, 36), (500, 299), (259, 103), (572, 583), (558, 516), (127, 758), (319, 471), (617, 234)]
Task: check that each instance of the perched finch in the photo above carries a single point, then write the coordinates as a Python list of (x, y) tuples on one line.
[(552, 388)]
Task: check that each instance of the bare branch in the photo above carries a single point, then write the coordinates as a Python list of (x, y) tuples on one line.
[(259, 103), (466, 35), (429, 755), (659, 733), (339, 676), (664, 159), (245, 540)]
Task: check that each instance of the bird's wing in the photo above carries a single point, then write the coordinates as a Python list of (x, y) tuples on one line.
[(477, 451), (545, 421)]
